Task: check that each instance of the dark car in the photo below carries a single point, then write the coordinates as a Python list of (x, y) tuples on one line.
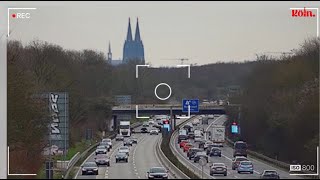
[(269, 174), (200, 155), (90, 168), (192, 152), (215, 152), (134, 140), (121, 157), (201, 143), (106, 145), (144, 130), (191, 135), (127, 142), (102, 160), (157, 173)]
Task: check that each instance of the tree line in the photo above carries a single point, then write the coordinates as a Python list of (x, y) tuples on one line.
[(279, 99)]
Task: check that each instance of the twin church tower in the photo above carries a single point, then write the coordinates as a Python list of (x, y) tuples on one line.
[(133, 49)]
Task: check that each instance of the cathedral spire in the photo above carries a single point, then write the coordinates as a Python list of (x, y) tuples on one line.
[(137, 35), (129, 34), (109, 57)]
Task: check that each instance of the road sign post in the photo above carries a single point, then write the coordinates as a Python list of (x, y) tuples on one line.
[(202, 162)]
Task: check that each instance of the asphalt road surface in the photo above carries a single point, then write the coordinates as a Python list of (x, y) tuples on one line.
[(227, 156)]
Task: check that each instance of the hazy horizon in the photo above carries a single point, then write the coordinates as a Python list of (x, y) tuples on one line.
[(203, 32)]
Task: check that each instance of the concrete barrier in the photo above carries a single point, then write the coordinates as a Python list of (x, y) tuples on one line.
[(175, 171)]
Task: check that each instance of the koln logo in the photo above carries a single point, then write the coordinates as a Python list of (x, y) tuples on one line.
[(302, 13)]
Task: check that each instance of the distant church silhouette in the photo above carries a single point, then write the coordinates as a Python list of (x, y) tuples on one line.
[(133, 49)]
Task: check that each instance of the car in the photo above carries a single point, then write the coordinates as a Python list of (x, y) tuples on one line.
[(106, 145), (151, 122), (101, 150), (157, 173), (156, 125), (245, 166), (269, 174), (124, 149), (192, 152), (127, 142), (208, 149), (121, 156), (154, 131), (145, 124), (90, 168), (144, 130), (134, 140), (198, 138), (102, 160), (119, 137), (199, 155), (182, 143), (109, 141), (215, 152), (195, 122), (187, 146), (206, 144), (201, 143), (218, 168), (237, 160), (191, 135), (132, 130), (217, 144)]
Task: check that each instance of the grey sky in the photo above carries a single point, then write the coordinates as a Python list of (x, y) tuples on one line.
[(205, 32)]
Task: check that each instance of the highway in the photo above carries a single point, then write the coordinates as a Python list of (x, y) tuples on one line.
[(142, 156), (227, 156)]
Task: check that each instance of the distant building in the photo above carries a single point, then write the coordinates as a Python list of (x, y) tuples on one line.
[(133, 49)]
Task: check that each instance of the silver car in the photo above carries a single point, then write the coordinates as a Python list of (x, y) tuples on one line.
[(102, 160), (119, 137), (101, 150), (218, 168), (124, 149), (109, 141)]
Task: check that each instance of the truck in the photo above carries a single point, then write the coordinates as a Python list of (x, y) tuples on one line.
[(125, 129), (218, 134)]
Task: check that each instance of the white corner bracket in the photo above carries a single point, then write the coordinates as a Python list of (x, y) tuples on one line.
[(185, 65), (137, 66), (188, 117), (137, 114), (16, 174), (9, 16)]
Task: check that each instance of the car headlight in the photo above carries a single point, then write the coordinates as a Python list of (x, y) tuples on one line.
[(165, 175), (150, 175), (83, 169), (95, 169)]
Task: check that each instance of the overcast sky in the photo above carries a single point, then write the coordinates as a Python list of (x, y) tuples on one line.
[(204, 32)]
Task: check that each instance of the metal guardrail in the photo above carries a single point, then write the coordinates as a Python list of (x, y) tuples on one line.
[(275, 162), (172, 168)]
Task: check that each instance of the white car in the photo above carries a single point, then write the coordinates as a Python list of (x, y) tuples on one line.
[(108, 140), (124, 149), (101, 150), (153, 131), (198, 138), (206, 144)]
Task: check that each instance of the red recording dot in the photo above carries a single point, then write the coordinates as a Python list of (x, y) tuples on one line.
[(14, 15)]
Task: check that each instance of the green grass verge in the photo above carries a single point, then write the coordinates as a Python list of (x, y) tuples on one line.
[(78, 147)]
